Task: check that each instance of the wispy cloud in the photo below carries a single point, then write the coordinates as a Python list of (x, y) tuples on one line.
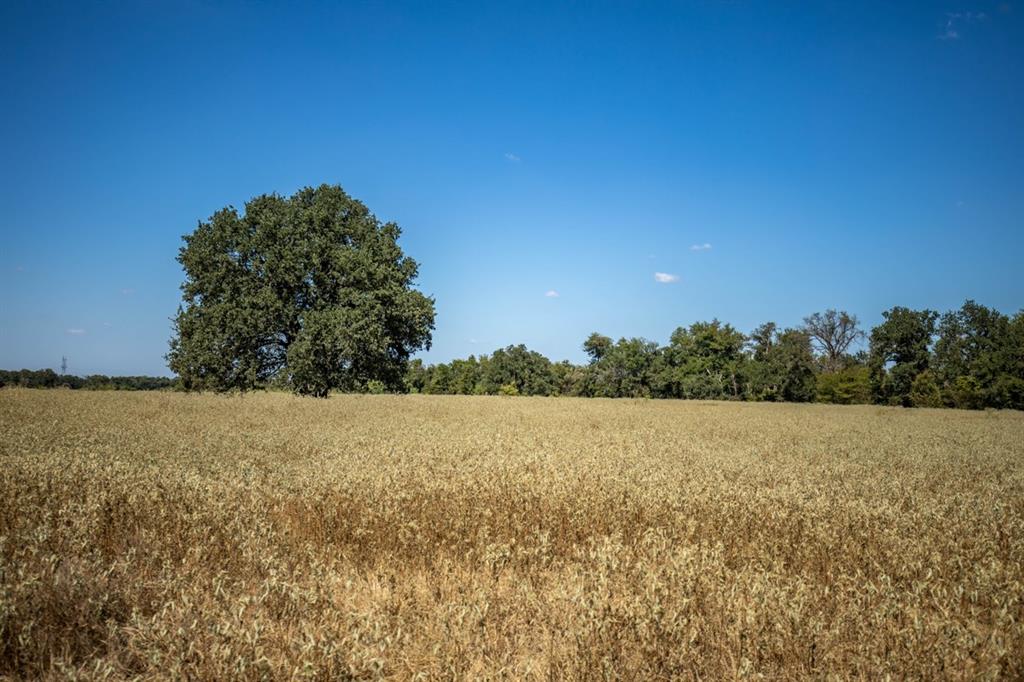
[(956, 20), (509, 156), (20, 268), (474, 341), (551, 293), (127, 292), (701, 247), (665, 277), (76, 331)]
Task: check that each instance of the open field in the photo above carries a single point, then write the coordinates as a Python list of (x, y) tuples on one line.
[(459, 537)]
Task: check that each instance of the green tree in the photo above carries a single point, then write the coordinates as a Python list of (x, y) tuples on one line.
[(850, 385), (924, 391), (1007, 390), (622, 370), (417, 376), (568, 379), (782, 365), (970, 355), (899, 352), (597, 346), (527, 370), (312, 287), (762, 339), (466, 376), (704, 361), (440, 380)]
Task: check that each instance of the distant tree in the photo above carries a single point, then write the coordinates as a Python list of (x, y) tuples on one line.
[(466, 376), (312, 286), (1007, 390), (899, 353), (924, 391), (782, 365), (850, 385), (833, 333), (440, 381), (47, 378), (705, 360), (568, 379), (597, 346), (417, 376), (527, 370), (762, 339), (970, 355), (622, 370)]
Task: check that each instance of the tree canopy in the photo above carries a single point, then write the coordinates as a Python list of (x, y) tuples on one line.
[(310, 291), (899, 353), (974, 358)]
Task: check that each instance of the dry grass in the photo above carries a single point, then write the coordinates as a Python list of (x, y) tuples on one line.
[(268, 536)]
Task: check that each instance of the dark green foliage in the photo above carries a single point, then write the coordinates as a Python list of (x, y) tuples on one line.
[(705, 361), (597, 346), (782, 367), (568, 379), (899, 352), (312, 288), (850, 385), (974, 350), (528, 371), (47, 378), (924, 391), (1007, 389), (416, 376), (624, 369), (978, 362), (42, 378)]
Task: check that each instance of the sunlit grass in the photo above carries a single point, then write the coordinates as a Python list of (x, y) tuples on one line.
[(394, 536)]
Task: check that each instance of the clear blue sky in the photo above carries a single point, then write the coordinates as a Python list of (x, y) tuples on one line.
[(839, 154)]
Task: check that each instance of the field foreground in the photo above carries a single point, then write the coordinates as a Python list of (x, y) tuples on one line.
[(269, 536)]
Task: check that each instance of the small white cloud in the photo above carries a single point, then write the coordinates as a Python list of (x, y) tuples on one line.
[(107, 324), (701, 247), (127, 292), (76, 331), (473, 341), (551, 293), (19, 268), (509, 156), (665, 278)]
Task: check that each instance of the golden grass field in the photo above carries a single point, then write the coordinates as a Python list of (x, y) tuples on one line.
[(268, 536)]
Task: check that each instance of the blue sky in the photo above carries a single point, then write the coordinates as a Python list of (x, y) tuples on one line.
[(771, 159)]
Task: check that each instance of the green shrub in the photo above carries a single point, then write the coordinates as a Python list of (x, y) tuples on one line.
[(924, 392), (849, 386)]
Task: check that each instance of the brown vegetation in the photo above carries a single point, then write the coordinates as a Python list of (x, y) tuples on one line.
[(270, 536)]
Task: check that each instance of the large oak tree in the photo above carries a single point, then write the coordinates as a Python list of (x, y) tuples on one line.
[(311, 291)]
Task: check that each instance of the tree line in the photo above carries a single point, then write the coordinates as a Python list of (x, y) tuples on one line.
[(970, 358), (47, 378), (312, 293)]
